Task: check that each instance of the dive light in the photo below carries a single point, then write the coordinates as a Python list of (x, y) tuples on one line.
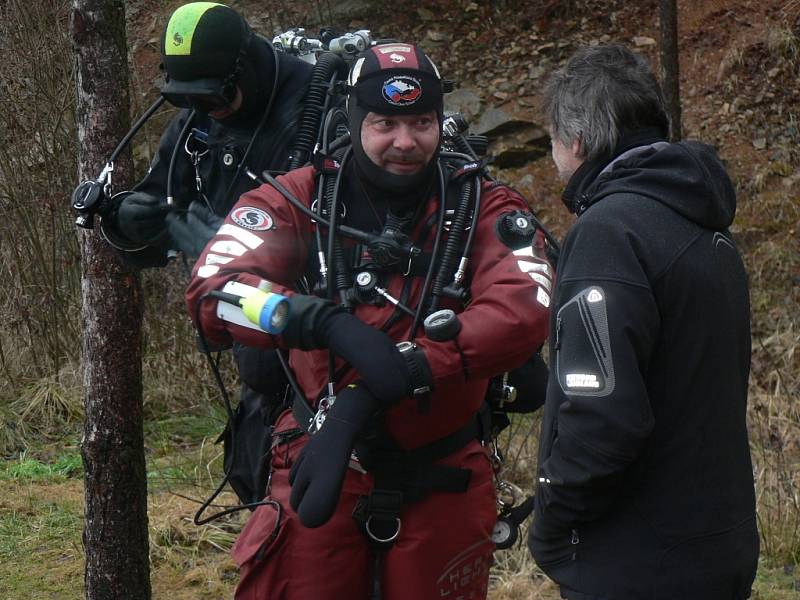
[(268, 310)]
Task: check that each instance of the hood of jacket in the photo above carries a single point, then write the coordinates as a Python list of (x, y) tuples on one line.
[(686, 176)]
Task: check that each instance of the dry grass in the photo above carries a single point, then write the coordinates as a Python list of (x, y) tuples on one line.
[(775, 437), (51, 402), (783, 40), (189, 562)]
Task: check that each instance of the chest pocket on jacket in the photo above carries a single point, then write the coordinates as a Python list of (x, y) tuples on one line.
[(584, 364)]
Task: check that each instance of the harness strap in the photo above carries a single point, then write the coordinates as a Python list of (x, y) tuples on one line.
[(378, 513), (378, 516), (416, 483), (302, 411), (374, 458)]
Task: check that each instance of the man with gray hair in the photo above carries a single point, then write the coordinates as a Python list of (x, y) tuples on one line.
[(645, 482)]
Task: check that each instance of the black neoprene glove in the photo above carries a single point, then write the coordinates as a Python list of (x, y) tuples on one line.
[(140, 217), (305, 315), (530, 381), (190, 231), (317, 475), (371, 352), (389, 375)]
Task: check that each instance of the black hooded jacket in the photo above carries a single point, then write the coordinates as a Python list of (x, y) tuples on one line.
[(645, 483)]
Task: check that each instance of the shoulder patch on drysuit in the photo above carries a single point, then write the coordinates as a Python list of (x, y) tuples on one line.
[(252, 218), (584, 363)]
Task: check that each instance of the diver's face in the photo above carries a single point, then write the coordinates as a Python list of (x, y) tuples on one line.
[(400, 144), (223, 111)]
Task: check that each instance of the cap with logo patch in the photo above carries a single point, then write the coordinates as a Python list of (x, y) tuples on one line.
[(203, 48), (396, 79), (393, 79)]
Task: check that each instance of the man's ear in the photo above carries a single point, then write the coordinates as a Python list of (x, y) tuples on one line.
[(576, 148)]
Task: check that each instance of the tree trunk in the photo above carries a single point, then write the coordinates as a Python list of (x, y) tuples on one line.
[(115, 534), (670, 75)]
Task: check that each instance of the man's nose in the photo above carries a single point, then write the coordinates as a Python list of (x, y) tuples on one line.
[(404, 139)]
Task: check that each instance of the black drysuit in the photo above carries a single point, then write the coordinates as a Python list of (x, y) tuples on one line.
[(263, 379), (645, 483), (219, 158)]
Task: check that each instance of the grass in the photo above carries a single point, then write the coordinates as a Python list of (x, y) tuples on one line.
[(41, 519), (188, 562), (48, 407), (31, 469), (40, 538), (782, 583)]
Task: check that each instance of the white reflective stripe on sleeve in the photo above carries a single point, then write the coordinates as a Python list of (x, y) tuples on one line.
[(207, 271), (250, 240), (543, 297), (228, 247), (527, 266), (526, 251), (541, 280), (234, 314), (216, 259)]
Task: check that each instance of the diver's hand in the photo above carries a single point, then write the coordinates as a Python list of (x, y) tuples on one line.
[(190, 231), (140, 217), (317, 475)]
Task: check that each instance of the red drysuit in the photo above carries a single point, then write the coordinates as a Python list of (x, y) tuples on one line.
[(444, 547)]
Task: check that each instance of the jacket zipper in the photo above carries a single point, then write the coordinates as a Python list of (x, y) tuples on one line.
[(575, 541), (557, 344)]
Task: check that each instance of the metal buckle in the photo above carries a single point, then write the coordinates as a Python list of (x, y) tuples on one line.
[(322, 411), (383, 540)]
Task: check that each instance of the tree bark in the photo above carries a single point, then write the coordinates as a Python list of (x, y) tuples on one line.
[(670, 71), (115, 534)]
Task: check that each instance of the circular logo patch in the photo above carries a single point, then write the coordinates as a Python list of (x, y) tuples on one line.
[(402, 90), (253, 218)]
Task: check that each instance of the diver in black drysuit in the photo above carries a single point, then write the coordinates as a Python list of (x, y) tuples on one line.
[(206, 178)]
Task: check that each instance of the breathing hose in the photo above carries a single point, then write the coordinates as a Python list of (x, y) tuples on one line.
[(174, 156), (453, 243), (327, 66)]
